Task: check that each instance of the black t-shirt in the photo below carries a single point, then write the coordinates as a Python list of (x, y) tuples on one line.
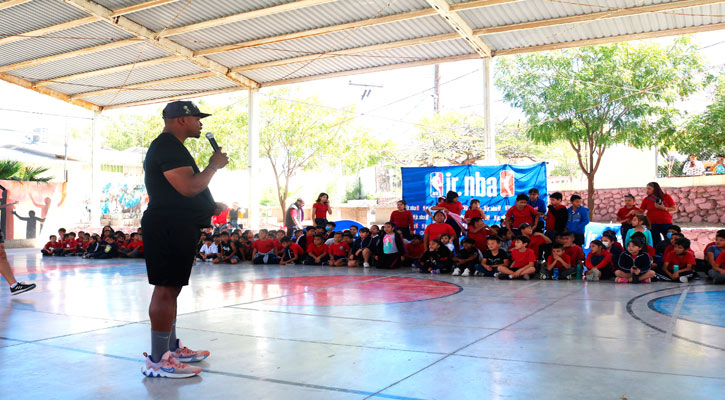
[(165, 203), (233, 214), (497, 259)]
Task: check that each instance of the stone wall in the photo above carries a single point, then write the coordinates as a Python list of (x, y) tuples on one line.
[(697, 204)]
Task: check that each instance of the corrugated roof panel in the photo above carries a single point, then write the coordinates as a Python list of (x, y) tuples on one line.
[(80, 37), (138, 75), (173, 89), (116, 4), (157, 18), (609, 27), (302, 19), (363, 60), (91, 62), (36, 14), (366, 36)]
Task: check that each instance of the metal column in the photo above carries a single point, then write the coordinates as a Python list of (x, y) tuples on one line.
[(95, 200), (490, 126), (253, 193)]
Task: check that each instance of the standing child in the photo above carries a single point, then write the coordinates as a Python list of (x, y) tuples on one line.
[(263, 251), (436, 259), (492, 258), (291, 253), (578, 219), (522, 261), (452, 209), (479, 232), (321, 208), (317, 252), (521, 213), (540, 206), (678, 264), (556, 216), (560, 261), (437, 228), (358, 252), (467, 258), (599, 262), (640, 223), (339, 251), (634, 265), (403, 219), (625, 214), (390, 248), (474, 211)]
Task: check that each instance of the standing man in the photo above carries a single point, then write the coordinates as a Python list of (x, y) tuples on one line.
[(233, 216), (180, 204), (7, 273), (294, 216)]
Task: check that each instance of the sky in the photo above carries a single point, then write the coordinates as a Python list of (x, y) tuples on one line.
[(461, 90)]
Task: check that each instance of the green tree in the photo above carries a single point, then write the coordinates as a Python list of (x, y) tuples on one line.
[(303, 135), (704, 134), (15, 170), (594, 97), (451, 138)]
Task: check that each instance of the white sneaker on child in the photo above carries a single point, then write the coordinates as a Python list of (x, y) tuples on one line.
[(466, 272), (456, 272), (366, 265), (684, 279)]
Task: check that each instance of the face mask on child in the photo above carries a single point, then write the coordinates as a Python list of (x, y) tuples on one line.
[(669, 235), (327, 228), (606, 244)]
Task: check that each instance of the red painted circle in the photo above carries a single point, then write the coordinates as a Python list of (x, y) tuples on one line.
[(340, 290)]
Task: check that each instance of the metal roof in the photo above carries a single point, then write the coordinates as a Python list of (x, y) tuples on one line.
[(116, 53)]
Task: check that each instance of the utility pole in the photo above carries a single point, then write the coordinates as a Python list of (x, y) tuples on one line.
[(437, 90)]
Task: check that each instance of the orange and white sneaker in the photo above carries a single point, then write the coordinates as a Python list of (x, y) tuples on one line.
[(186, 355), (168, 367)]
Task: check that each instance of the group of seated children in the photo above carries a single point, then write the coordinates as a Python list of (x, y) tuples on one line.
[(109, 244)]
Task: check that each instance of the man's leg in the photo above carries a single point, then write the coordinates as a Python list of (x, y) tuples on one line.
[(162, 312), (7, 273)]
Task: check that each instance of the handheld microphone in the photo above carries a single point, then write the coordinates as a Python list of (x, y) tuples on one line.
[(212, 141)]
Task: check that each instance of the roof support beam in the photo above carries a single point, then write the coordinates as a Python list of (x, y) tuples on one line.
[(47, 30), (63, 56), (461, 26), (244, 16), (151, 37), (178, 97), (10, 3), (142, 85), (612, 39), (48, 92), (106, 71), (426, 12), (347, 52), (140, 7), (622, 12)]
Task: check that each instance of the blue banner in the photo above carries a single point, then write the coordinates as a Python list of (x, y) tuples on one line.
[(494, 186)]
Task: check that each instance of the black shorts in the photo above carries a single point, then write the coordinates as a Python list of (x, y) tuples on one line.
[(170, 248)]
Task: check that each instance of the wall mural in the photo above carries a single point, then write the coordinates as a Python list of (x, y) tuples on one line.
[(124, 197), (24, 206)]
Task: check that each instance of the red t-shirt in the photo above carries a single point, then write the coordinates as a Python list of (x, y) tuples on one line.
[(434, 231), (70, 244), (315, 250), (521, 259), (651, 252), (138, 244), (558, 264), (455, 207), (575, 253), (721, 260), (657, 216), (525, 215), (320, 209), (535, 242), (339, 249), (402, 219), (263, 246), (413, 251), (683, 260), (551, 219), (622, 214), (605, 261), (481, 238), (297, 249), (53, 246), (474, 213), (278, 245)]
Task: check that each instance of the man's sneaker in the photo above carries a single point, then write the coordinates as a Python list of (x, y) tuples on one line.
[(621, 280), (497, 275), (366, 265), (542, 276), (21, 287), (466, 272), (168, 367), (684, 279), (456, 272), (186, 355)]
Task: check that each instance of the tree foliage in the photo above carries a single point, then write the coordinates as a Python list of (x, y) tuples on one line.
[(15, 170), (451, 138), (704, 134), (594, 97)]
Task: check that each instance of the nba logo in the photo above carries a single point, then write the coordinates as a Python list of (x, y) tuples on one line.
[(508, 183), (436, 184)]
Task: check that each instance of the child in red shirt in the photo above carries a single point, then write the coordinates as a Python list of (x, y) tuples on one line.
[(263, 251), (599, 262), (291, 252), (521, 213), (437, 228), (479, 232), (680, 257), (575, 253), (70, 245), (522, 261), (474, 211), (536, 240), (339, 251), (558, 260), (135, 248), (317, 252), (626, 213), (403, 219), (52, 246), (413, 252)]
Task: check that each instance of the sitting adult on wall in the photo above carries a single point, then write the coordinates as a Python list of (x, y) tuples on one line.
[(658, 206), (694, 167), (719, 167)]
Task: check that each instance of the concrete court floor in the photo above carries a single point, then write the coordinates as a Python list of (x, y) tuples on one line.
[(339, 333)]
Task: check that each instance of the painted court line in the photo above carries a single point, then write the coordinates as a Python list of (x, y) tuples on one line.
[(675, 314)]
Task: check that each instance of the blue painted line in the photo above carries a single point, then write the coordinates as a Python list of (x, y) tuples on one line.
[(230, 374)]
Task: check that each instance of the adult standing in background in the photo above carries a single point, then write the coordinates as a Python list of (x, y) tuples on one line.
[(233, 215), (693, 167), (180, 204), (658, 206), (294, 216), (321, 208)]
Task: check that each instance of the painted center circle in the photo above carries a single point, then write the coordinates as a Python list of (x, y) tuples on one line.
[(341, 290), (702, 307)]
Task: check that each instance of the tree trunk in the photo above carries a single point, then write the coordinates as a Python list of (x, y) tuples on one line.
[(590, 195)]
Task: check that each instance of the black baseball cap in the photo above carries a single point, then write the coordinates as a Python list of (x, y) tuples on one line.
[(177, 109), (524, 226)]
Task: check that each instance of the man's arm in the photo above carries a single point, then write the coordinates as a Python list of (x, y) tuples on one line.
[(189, 184)]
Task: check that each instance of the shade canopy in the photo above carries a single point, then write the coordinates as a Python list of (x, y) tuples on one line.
[(106, 54)]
